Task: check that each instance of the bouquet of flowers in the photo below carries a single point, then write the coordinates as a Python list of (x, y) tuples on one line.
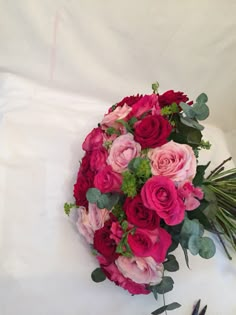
[(140, 192)]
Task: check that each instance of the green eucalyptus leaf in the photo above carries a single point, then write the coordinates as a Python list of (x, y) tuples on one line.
[(171, 264), (104, 202), (169, 307), (201, 111), (93, 195), (98, 275), (186, 256), (194, 244), (165, 286), (202, 98), (187, 109), (191, 123), (207, 248)]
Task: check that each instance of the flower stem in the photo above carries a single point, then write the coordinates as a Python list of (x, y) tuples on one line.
[(218, 167)]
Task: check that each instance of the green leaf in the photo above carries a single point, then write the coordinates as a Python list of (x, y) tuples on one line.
[(155, 87), (171, 264), (199, 177), (201, 111), (186, 256), (68, 207), (173, 246), (194, 136), (207, 248), (169, 307), (200, 215), (165, 286), (191, 123), (154, 291), (125, 124), (93, 195), (194, 244), (132, 121), (98, 275), (187, 110), (103, 201), (134, 163), (202, 98)]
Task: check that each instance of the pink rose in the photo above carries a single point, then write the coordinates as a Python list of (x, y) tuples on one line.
[(191, 195), (174, 160), (90, 221), (113, 274), (140, 269), (94, 140), (107, 180), (110, 119), (116, 232), (148, 103), (160, 194), (122, 151), (98, 159), (145, 243)]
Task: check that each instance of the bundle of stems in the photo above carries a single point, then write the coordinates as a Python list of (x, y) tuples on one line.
[(223, 184)]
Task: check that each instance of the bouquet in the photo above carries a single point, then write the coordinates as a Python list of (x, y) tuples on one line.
[(140, 192)]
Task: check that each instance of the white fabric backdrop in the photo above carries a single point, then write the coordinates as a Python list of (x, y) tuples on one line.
[(100, 50)]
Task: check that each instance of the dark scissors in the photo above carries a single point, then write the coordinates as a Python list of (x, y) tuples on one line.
[(197, 307)]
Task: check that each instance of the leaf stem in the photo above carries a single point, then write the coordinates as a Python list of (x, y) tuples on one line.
[(221, 240)]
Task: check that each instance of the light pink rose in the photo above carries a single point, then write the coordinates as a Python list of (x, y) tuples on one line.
[(140, 269), (110, 119), (113, 274), (173, 160), (122, 151), (191, 195), (90, 221)]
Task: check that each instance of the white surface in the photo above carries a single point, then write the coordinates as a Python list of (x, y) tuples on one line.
[(45, 265), (102, 50)]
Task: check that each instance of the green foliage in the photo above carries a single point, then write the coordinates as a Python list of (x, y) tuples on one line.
[(129, 184), (93, 195), (107, 200), (169, 110), (165, 286), (171, 264), (205, 145), (199, 110), (68, 207), (132, 121), (191, 238), (140, 167), (155, 87), (111, 130), (118, 212), (207, 248), (199, 177), (169, 307), (123, 247), (191, 123), (98, 275)]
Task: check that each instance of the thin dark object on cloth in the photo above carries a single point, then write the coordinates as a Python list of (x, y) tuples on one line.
[(197, 307), (203, 311)]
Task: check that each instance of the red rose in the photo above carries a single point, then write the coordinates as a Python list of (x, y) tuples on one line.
[(170, 97), (83, 183), (160, 194), (98, 159), (85, 163), (152, 131), (148, 103), (139, 215), (128, 100), (104, 244), (113, 274), (94, 140), (145, 243), (107, 180)]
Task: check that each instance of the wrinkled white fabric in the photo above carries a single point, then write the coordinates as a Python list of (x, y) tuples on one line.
[(45, 265)]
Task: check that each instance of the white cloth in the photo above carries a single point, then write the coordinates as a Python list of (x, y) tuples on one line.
[(45, 265)]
